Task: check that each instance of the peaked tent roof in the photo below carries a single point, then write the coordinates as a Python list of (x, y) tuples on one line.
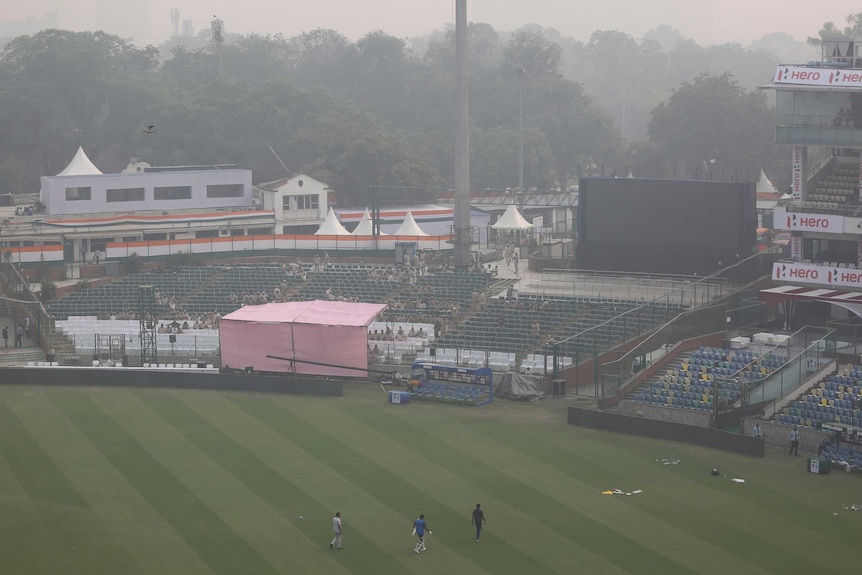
[(409, 227), (331, 226), (764, 186), (365, 226), (512, 220), (80, 166)]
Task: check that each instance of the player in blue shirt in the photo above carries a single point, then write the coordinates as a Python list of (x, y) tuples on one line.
[(419, 528)]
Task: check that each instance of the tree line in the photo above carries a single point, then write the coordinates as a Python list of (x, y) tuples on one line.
[(375, 116)]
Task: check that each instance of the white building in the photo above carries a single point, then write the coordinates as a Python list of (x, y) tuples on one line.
[(82, 189), (819, 119), (299, 203)]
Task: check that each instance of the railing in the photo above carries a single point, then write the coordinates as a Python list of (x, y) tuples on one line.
[(25, 303), (815, 121), (617, 374), (815, 167), (809, 350), (699, 293)]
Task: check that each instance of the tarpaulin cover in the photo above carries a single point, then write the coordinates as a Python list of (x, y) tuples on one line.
[(316, 337), (516, 386)]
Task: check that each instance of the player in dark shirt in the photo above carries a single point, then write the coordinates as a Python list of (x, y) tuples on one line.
[(478, 519)]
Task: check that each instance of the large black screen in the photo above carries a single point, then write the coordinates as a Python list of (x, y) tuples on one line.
[(667, 213)]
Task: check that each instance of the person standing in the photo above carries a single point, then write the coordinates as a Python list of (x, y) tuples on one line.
[(478, 519), (794, 441), (419, 528), (19, 332), (336, 530), (6, 336), (756, 431)]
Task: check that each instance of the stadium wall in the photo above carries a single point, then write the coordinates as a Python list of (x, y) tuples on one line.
[(668, 413), (135, 378), (778, 435), (666, 430)]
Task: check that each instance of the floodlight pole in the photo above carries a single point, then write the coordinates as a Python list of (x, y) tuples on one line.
[(462, 239), (521, 77)]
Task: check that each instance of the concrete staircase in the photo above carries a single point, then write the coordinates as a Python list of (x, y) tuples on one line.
[(18, 356), (673, 364)]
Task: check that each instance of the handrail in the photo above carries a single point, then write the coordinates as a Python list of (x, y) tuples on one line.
[(819, 164), (669, 294)]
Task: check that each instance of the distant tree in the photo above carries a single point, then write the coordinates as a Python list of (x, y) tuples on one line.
[(627, 76), (713, 120), (134, 263), (576, 131), (48, 288), (540, 57), (830, 30)]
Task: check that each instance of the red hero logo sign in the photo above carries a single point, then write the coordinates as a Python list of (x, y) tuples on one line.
[(804, 222)]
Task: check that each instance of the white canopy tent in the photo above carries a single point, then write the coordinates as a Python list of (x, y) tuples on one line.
[(764, 186), (365, 227), (512, 220), (80, 166), (409, 227), (331, 226)]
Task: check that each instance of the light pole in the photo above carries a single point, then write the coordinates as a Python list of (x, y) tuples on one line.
[(521, 75)]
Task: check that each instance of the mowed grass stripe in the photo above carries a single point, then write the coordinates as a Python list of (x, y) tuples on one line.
[(511, 526), (721, 521), (361, 511), (126, 518), (260, 478), (48, 536), (251, 518), (582, 529), (389, 489), (216, 543), (755, 507), (37, 473), (510, 453)]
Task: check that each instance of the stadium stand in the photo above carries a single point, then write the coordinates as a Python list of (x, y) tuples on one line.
[(838, 398), (706, 377), (474, 324), (845, 456), (839, 188), (451, 392)]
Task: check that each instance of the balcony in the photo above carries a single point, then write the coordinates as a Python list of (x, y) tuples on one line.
[(802, 135)]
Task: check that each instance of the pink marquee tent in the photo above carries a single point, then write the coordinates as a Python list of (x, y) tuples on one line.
[(319, 337)]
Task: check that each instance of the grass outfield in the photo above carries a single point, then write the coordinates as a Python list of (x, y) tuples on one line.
[(151, 481)]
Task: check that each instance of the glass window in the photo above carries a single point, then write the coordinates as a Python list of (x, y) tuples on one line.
[(260, 231), (308, 202), (73, 194), (225, 191), (125, 195), (173, 193), (304, 202)]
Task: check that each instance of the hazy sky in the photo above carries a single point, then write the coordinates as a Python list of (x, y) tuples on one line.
[(707, 21)]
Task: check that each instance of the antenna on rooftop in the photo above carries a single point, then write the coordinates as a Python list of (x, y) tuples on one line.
[(175, 22), (217, 26), (188, 28), (286, 169)]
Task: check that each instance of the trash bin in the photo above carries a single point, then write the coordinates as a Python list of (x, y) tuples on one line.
[(558, 388), (399, 397), (819, 466)]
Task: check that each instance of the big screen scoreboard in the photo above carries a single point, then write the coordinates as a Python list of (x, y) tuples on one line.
[(672, 213)]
